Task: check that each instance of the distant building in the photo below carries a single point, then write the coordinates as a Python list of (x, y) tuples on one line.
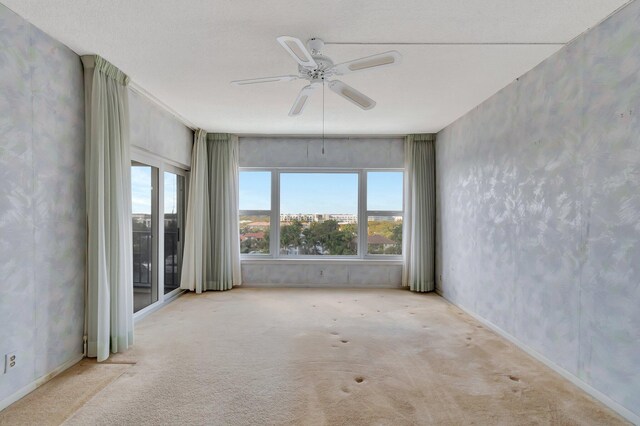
[(252, 236), (259, 224), (380, 241), (385, 218)]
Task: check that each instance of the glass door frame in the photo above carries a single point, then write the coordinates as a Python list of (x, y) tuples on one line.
[(162, 165)]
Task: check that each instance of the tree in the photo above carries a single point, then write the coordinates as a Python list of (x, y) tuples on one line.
[(290, 235), (327, 238)]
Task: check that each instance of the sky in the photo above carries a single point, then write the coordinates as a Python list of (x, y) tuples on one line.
[(299, 192), (141, 190), (321, 192)]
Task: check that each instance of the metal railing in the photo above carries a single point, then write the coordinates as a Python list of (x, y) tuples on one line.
[(142, 259)]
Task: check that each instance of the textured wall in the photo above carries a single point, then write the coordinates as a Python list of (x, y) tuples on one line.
[(156, 131), (42, 209), (321, 274), (307, 152), (539, 208)]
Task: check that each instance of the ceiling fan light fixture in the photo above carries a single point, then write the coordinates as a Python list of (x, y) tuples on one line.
[(318, 69)]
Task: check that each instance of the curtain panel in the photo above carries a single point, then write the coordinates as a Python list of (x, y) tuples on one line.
[(109, 295), (212, 247), (419, 223)]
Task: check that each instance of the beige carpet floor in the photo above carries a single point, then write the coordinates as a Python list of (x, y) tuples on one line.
[(60, 398), (327, 356)]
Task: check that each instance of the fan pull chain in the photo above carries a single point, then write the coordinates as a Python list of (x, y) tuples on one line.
[(323, 116)]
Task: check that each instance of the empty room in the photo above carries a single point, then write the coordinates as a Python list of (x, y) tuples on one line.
[(218, 212)]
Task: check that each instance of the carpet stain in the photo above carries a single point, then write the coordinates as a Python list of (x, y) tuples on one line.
[(359, 379), (514, 378)]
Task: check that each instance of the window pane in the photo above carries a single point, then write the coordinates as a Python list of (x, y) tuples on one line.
[(254, 234), (384, 191), (144, 292), (384, 235), (173, 229), (319, 214), (255, 190)]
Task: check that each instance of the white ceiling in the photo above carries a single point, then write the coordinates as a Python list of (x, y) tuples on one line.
[(185, 52)]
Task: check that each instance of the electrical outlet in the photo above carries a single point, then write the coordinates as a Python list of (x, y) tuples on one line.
[(10, 361)]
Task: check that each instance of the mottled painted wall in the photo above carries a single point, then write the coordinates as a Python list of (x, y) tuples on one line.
[(320, 274), (539, 209), (307, 152), (155, 130), (42, 207)]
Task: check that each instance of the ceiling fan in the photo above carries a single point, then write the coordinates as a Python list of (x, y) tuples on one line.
[(316, 68)]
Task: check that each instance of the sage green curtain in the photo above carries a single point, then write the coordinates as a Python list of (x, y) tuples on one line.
[(420, 210), (212, 246), (109, 307), (194, 263), (223, 208)]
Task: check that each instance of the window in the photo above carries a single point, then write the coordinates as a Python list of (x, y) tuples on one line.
[(384, 213), (319, 214), (314, 214), (144, 217), (255, 212)]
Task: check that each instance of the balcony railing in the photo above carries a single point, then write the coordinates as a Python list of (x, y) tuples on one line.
[(142, 259)]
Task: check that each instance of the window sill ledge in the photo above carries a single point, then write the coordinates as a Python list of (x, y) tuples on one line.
[(304, 261)]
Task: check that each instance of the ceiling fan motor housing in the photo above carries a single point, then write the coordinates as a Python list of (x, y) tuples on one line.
[(324, 63), (315, 45)]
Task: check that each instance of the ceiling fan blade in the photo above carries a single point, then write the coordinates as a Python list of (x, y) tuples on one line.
[(301, 100), (351, 94), (264, 80), (380, 60), (298, 51)]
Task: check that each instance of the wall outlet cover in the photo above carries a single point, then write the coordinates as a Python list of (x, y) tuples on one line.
[(10, 361)]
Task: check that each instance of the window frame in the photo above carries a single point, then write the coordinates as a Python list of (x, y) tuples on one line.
[(362, 213), (368, 213)]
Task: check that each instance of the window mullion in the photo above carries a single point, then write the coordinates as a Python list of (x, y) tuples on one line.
[(362, 215), (275, 214)]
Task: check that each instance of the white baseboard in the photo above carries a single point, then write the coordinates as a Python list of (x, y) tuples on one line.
[(39, 382), (624, 412)]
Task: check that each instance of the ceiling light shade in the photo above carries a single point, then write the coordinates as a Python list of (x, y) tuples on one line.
[(351, 94), (380, 60)]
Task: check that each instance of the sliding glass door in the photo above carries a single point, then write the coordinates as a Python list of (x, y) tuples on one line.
[(173, 229), (144, 219), (157, 215)]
